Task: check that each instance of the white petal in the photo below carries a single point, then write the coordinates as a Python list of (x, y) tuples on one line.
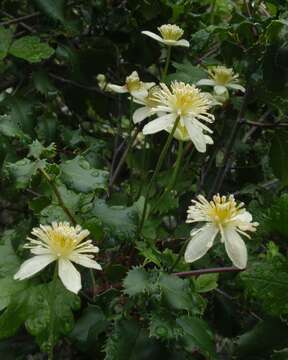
[(85, 261), (182, 42), (117, 88), (148, 85), (141, 114), (200, 243), (141, 93), (219, 89), (208, 139), (196, 135), (31, 266), (152, 35), (235, 247), (244, 216), (158, 124), (69, 276), (207, 82), (236, 87)]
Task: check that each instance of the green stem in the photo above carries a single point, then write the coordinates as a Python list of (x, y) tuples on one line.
[(164, 74), (156, 171), (180, 254), (59, 197), (52, 313)]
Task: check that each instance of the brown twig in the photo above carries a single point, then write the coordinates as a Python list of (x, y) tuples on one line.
[(266, 125), (219, 270), (20, 19), (25, 26)]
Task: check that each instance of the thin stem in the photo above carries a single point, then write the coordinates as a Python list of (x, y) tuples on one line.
[(123, 158), (59, 197), (208, 271), (180, 254), (164, 74), (52, 313), (212, 16), (156, 171)]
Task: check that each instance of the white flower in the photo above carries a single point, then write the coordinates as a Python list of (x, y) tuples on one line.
[(133, 85), (222, 78), (171, 35), (149, 103), (102, 82), (63, 243), (190, 105), (224, 216)]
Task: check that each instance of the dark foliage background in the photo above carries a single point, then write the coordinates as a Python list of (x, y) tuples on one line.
[(51, 52)]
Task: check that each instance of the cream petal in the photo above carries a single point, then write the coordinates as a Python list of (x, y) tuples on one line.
[(85, 261), (148, 85), (152, 35), (141, 114), (182, 42), (32, 266), (158, 124), (200, 243), (236, 87), (142, 93), (117, 88), (196, 135), (244, 217), (235, 247), (69, 276), (207, 82), (220, 89)]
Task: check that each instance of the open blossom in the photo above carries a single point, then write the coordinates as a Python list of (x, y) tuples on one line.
[(221, 216), (190, 105), (149, 103), (133, 85), (63, 243), (170, 35), (222, 79)]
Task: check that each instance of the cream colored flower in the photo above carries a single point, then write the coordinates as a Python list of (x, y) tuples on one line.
[(149, 107), (222, 78), (133, 85), (63, 243), (221, 215), (102, 82), (190, 105), (170, 35)]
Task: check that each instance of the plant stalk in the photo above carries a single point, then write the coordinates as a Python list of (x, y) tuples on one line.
[(52, 312)]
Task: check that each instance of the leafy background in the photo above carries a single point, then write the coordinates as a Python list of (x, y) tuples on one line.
[(54, 117)]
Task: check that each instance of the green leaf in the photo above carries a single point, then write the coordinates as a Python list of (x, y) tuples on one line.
[(37, 150), (197, 335), (176, 291), (9, 261), (6, 36), (279, 156), (136, 282), (119, 221), (205, 283), (31, 48), (10, 128), (52, 8), (23, 170), (91, 323), (22, 114), (78, 175), (43, 84), (187, 72), (9, 289), (164, 327)]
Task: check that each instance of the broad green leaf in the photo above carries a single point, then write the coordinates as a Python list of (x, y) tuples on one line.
[(187, 72), (9, 261), (176, 292), (37, 150), (52, 8), (5, 41), (78, 175), (279, 156), (136, 282), (197, 335), (10, 128), (164, 327), (205, 283), (43, 84), (23, 170), (10, 289), (31, 48), (22, 113), (91, 323)]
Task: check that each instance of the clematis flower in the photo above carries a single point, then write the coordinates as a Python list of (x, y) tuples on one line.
[(149, 107), (170, 35), (188, 103), (102, 82), (222, 216), (222, 79), (133, 85), (63, 243)]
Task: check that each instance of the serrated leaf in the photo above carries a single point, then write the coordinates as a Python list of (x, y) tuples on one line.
[(9, 289), (10, 128), (136, 282), (164, 327), (30, 48), (78, 175), (23, 170), (197, 335), (175, 291), (5, 41), (279, 156), (36, 150), (187, 72)]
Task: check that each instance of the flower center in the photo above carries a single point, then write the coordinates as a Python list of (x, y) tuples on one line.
[(222, 210), (61, 244), (171, 32), (222, 75), (133, 82)]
